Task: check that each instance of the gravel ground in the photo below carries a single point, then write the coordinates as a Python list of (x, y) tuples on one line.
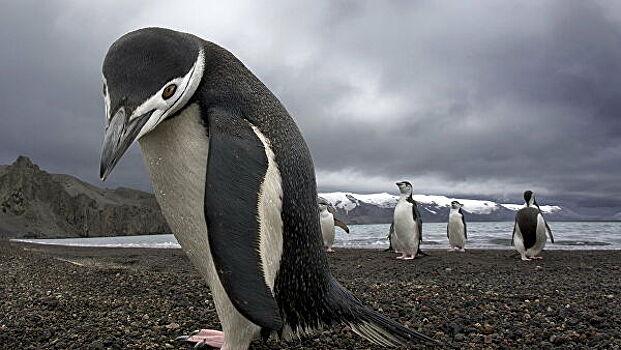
[(92, 298)]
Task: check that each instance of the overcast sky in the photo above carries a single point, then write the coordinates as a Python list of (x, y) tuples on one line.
[(480, 99)]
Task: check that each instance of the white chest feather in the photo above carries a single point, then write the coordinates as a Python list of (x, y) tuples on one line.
[(406, 229), (326, 220), (455, 220), (175, 155), (403, 215)]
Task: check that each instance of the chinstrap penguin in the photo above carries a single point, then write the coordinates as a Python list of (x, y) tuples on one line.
[(235, 181), (328, 223), (530, 229), (407, 224), (456, 229)]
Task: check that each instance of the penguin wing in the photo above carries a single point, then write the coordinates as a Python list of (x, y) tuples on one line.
[(547, 226), (549, 230), (513, 234), (341, 224), (463, 221), (418, 219), (236, 167)]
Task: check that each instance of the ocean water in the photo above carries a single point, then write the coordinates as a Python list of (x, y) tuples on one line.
[(481, 235)]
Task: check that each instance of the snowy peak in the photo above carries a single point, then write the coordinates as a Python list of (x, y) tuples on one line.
[(377, 207), (348, 201), (544, 208)]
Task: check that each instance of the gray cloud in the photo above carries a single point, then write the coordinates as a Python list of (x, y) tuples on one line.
[(472, 100)]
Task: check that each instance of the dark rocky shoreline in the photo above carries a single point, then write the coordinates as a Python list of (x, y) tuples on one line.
[(92, 298)]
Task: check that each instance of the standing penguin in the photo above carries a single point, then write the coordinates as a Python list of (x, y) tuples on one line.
[(456, 230), (407, 224), (529, 229), (235, 182), (328, 221)]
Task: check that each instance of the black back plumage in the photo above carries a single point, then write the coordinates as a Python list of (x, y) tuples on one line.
[(306, 293), (526, 219)]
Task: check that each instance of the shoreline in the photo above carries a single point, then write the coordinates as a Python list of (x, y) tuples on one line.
[(66, 297)]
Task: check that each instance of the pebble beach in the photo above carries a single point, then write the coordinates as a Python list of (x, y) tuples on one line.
[(57, 297)]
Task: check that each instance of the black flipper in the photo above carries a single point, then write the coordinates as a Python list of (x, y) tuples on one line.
[(546, 222), (463, 220), (417, 217), (513, 234), (235, 171), (549, 231), (390, 232), (341, 224)]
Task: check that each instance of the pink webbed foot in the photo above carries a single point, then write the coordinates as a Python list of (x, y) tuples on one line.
[(537, 257), (462, 250), (525, 258), (205, 337), (408, 257), (330, 250)]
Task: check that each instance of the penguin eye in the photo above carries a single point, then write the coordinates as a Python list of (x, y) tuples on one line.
[(169, 91)]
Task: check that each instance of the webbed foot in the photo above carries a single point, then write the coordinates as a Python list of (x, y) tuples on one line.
[(204, 337)]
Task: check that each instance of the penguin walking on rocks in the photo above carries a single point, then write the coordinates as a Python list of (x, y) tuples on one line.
[(456, 229), (407, 224), (236, 183), (328, 223), (530, 229)]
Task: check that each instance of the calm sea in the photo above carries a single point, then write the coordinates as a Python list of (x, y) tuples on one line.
[(481, 235)]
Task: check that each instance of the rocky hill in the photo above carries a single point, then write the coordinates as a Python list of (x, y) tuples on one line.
[(37, 204), (378, 208)]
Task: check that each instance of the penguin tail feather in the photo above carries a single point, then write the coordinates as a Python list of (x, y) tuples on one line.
[(372, 325)]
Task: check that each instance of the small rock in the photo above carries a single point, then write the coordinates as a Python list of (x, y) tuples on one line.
[(97, 345), (459, 337), (172, 325)]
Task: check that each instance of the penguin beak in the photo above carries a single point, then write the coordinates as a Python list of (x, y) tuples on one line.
[(120, 134)]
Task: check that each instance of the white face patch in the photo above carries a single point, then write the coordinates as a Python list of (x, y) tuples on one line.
[(106, 95), (162, 108)]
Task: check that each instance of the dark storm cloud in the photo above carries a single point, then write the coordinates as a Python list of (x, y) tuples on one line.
[(474, 99)]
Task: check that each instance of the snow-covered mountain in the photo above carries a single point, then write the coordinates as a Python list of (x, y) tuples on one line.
[(378, 208)]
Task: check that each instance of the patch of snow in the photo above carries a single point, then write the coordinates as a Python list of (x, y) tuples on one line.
[(348, 201), (544, 208)]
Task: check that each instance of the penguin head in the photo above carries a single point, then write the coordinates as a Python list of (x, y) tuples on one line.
[(148, 75), (323, 203), (456, 205), (529, 198), (404, 187)]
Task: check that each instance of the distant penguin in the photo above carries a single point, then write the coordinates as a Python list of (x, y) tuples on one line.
[(456, 230), (407, 223), (530, 228), (328, 221)]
